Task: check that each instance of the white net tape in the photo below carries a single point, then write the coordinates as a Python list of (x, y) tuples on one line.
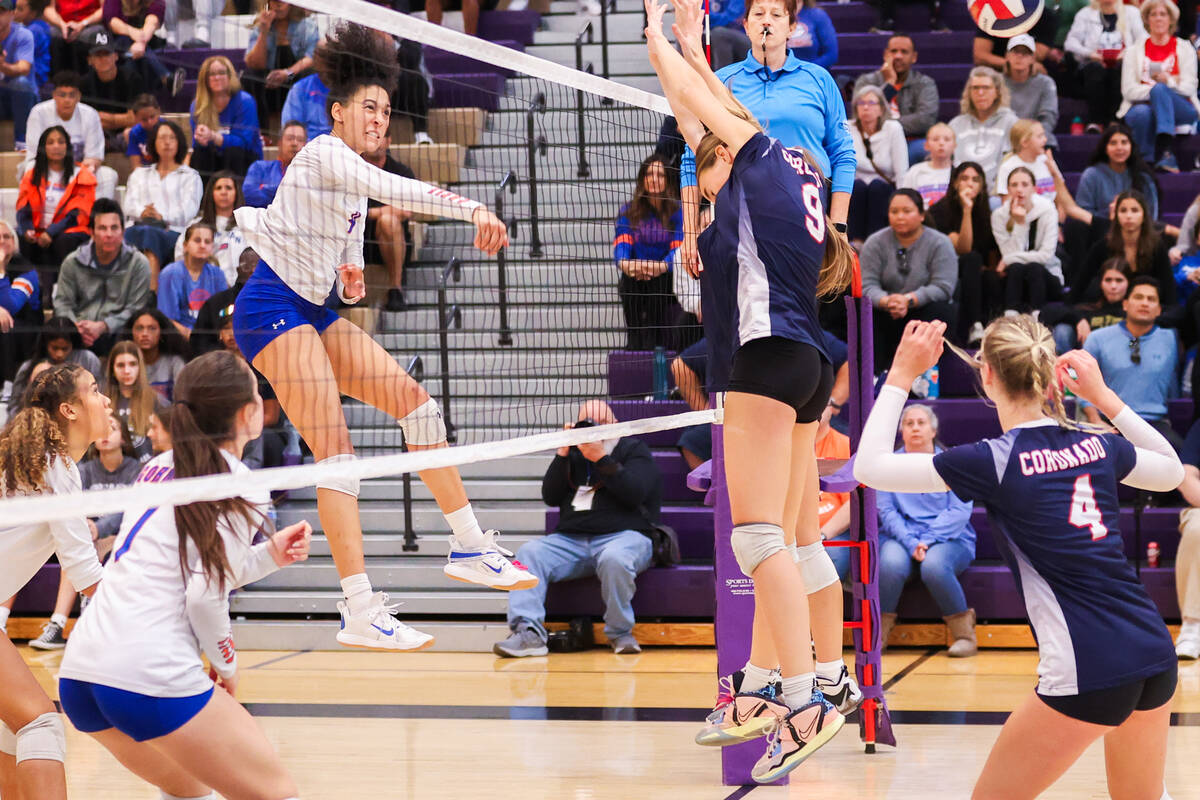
[(48, 508)]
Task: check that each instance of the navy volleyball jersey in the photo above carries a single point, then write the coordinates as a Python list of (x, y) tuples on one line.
[(762, 254), (1051, 497)]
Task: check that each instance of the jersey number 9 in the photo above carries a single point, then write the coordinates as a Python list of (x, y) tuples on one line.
[(815, 219)]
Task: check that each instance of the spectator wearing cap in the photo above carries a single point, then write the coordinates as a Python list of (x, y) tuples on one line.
[(133, 24), (111, 88), (18, 89), (262, 181), (82, 122), (29, 14), (1033, 95), (992, 51), (912, 96), (1158, 86), (305, 103)]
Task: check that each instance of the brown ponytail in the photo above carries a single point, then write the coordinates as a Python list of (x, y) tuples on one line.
[(209, 393), (34, 438)]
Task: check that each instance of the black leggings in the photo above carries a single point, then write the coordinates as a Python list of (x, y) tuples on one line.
[(1114, 705), (794, 373), (1101, 92), (1024, 287)]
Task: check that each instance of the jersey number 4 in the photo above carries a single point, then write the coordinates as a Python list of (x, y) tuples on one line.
[(1084, 511), (814, 220)]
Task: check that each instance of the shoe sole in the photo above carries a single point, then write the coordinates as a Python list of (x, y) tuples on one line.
[(847, 706), (361, 643), (736, 735), (820, 740), (43, 646), (537, 651), (526, 584)]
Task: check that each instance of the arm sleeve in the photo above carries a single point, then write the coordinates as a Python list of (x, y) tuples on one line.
[(1132, 88), (93, 133), (839, 145), (34, 128), (920, 121), (24, 219), (293, 104), (192, 188), (208, 613), (1047, 111), (1086, 193), (1187, 242), (65, 290), (877, 466), (24, 50), (134, 195), (943, 274), (69, 220), (892, 523), (1187, 68), (137, 298), (1076, 37), (14, 298), (1157, 468), (1151, 197), (556, 485), (356, 176), (899, 147), (826, 38), (631, 480), (256, 177), (952, 521), (623, 241), (72, 537), (1005, 240), (168, 296), (687, 168), (244, 125)]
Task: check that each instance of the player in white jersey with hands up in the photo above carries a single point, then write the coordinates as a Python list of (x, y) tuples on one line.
[(132, 675), (38, 449), (310, 237)]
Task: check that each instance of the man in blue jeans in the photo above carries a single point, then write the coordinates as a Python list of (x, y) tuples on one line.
[(607, 493), (18, 91)]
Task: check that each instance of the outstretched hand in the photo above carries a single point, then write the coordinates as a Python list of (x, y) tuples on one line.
[(654, 19), (1079, 372), (689, 29), (920, 348)]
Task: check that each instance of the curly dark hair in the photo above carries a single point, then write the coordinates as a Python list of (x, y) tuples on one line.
[(351, 57)]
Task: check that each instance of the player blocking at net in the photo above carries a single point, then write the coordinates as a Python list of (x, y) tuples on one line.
[(768, 254), (311, 238)]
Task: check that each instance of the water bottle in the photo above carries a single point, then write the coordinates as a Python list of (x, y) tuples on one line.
[(660, 373), (931, 376), (1077, 127), (1152, 554)]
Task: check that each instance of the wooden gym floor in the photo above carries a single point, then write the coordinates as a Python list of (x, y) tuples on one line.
[(594, 726)]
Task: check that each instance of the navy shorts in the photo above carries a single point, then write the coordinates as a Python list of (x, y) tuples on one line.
[(267, 308), (793, 373), (92, 707)]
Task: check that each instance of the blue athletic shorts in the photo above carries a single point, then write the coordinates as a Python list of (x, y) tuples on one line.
[(267, 308), (92, 707)]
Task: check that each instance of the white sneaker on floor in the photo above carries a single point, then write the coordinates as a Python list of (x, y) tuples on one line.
[(376, 628), (976, 334), (421, 137), (488, 566), (1187, 646)]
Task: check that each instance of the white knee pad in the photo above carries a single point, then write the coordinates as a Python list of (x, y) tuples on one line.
[(424, 425), (795, 555), (44, 739), (755, 543), (816, 567), (8, 740), (339, 483)]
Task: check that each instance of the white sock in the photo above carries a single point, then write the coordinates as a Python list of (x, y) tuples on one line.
[(830, 670), (4, 612), (1165, 795), (798, 690), (466, 527), (357, 589), (755, 678), (59, 620)]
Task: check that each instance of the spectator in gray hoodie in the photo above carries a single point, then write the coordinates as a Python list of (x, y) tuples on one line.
[(1032, 95), (982, 127), (103, 282), (913, 96)]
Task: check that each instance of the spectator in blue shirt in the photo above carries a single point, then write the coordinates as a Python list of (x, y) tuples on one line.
[(648, 227), (1138, 359), (281, 47), (814, 40), (183, 286), (306, 102), (29, 14), (797, 102), (18, 91), (20, 305), (262, 181), (930, 533), (225, 133), (146, 111)]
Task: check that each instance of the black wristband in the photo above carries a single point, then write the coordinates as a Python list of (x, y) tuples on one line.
[(840, 227)]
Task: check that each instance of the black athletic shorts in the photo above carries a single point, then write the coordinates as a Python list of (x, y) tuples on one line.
[(1113, 706), (793, 373)]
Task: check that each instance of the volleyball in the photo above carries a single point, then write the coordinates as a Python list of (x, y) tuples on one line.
[(1005, 18)]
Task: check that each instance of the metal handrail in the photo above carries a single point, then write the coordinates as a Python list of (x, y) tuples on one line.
[(584, 170), (416, 370), (508, 182), (533, 146), (447, 315), (604, 6)]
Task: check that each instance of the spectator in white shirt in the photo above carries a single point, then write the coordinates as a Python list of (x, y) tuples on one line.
[(882, 154), (931, 178), (1028, 141), (982, 127), (82, 122), (222, 196), (162, 197), (1025, 227)]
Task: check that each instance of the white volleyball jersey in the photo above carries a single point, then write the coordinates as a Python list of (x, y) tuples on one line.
[(315, 223), (25, 548), (146, 626)]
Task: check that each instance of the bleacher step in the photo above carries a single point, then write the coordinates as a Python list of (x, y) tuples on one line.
[(320, 635), (455, 602)]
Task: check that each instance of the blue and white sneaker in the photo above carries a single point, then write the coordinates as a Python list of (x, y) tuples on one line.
[(377, 628), (491, 566)]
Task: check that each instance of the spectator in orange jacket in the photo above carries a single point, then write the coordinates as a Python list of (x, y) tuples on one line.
[(54, 204)]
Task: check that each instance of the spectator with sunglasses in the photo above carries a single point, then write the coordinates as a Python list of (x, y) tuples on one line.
[(1138, 359), (909, 271)]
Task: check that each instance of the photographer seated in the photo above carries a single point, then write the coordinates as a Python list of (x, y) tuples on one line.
[(608, 494)]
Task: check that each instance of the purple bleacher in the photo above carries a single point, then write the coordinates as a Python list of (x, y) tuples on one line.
[(468, 90), (180, 103), (950, 78), (516, 26), (1159, 525), (674, 471), (858, 17), (440, 62), (682, 592), (37, 597), (631, 373), (692, 523), (626, 410), (932, 48)]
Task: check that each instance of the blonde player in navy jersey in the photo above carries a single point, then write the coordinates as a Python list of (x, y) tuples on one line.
[(1106, 663), (310, 238), (38, 450), (768, 254), (132, 675)]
